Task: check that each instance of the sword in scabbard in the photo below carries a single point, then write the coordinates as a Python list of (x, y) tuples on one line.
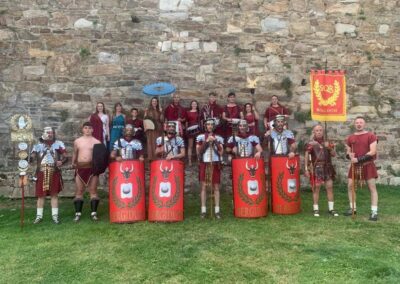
[(312, 172)]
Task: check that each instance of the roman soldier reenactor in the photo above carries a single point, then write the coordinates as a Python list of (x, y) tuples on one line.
[(170, 146), (319, 168), (361, 150), (88, 163), (50, 154), (244, 144), (281, 140), (127, 148), (209, 147)]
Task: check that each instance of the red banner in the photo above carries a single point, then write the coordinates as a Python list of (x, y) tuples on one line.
[(328, 95)]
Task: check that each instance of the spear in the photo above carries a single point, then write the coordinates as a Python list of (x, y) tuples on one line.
[(209, 170), (353, 189)]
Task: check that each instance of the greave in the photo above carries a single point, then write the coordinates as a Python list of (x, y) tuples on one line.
[(78, 203), (94, 203)]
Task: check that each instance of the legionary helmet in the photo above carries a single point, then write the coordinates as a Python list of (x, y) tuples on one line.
[(244, 123), (280, 117), (210, 121), (46, 131), (171, 125), (129, 129)]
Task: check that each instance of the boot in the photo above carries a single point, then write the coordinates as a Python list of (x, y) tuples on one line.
[(94, 203), (56, 219), (78, 203)]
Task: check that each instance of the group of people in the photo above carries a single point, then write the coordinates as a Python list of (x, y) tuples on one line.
[(237, 137), (189, 121)]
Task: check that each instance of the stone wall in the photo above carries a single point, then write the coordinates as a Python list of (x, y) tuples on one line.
[(59, 57)]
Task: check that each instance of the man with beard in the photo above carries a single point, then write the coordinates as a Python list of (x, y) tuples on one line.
[(244, 144), (319, 168), (209, 148), (127, 148), (281, 140), (361, 150), (84, 173), (170, 146), (50, 154)]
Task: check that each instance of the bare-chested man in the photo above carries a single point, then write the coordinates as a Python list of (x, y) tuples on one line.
[(84, 177)]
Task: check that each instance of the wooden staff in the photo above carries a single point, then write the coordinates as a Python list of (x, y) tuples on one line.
[(353, 185), (209, 172), (253, 101), (22, 182)]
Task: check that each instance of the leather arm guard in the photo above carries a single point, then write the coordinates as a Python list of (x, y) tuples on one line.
[(364, 158)]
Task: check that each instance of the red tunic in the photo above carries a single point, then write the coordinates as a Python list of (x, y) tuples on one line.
[(271, 112), (250, 118), (360, 145), (193, 119), (216, 172), (231, 112), (173, 112), (213, 111), (55, 184), (97, 125)]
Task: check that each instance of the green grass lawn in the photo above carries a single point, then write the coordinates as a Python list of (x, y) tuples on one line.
[(276, 249)]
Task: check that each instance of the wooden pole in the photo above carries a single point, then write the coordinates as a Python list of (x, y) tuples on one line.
[(209, 171), (353, 189), (22, 182)]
